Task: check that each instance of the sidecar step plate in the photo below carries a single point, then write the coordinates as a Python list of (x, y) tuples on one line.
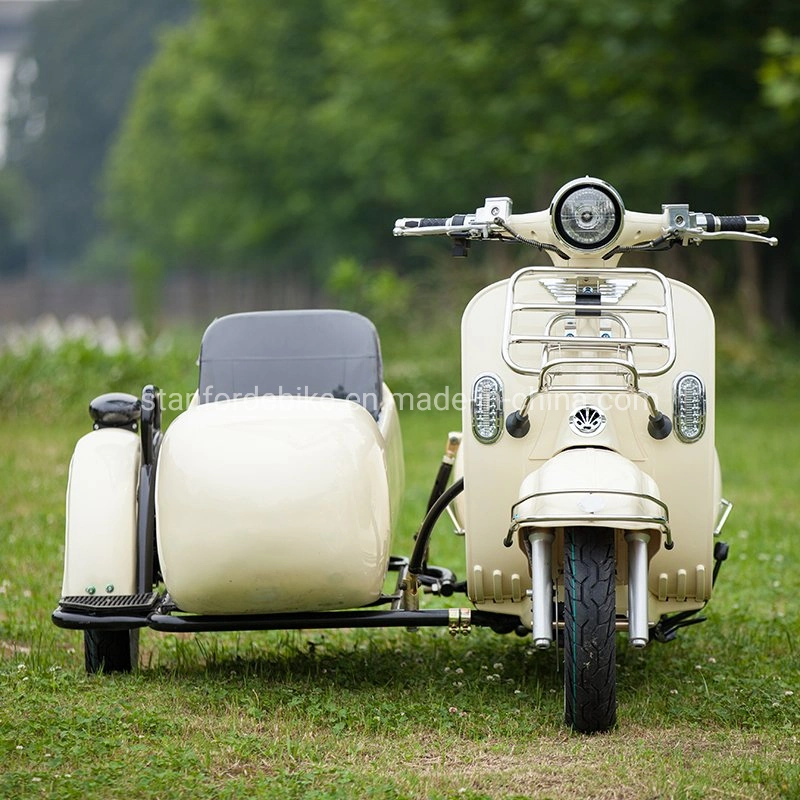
[(111, 603)]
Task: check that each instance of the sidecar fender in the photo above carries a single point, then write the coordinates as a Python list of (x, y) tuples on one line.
[(100, 552), (590, 486)]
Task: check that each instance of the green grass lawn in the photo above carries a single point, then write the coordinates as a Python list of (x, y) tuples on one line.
[(375, 714)]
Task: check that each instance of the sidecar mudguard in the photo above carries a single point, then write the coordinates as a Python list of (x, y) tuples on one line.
[(277, 504), (100, 554), (590, 486)]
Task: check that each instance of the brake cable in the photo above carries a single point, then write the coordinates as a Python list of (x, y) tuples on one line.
[(501, 223)]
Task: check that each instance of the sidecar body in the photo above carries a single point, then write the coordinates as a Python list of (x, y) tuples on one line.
[(275, 491)]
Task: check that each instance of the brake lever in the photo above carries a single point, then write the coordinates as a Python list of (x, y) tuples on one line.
[(697, 235)]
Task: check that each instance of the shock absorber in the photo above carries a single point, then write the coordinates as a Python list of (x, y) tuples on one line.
[(541, 544), (638, 632)]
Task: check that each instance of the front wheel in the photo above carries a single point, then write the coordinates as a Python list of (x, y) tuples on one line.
[(110, 651), (590, 696)]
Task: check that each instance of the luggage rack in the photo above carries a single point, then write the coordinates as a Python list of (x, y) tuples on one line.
[(561, 360)]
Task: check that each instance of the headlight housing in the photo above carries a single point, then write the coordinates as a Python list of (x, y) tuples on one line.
[(586, 214)]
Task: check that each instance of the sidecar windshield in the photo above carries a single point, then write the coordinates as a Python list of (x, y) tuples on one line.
[(316, 353)]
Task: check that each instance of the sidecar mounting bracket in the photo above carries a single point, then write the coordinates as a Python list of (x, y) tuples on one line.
[(459, 621)]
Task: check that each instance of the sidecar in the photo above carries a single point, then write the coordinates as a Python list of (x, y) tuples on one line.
[(273, 496)]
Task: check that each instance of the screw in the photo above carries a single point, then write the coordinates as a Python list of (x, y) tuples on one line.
[(90, 590), (110, 588)]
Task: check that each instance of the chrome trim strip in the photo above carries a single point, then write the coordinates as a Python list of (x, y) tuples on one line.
[(661, 522)]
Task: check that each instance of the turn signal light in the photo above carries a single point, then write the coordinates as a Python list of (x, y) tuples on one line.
[(487, 408), (689, 406)]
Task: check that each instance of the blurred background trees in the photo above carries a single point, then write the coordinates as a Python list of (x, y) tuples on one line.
[(287, 137), (68, 96)]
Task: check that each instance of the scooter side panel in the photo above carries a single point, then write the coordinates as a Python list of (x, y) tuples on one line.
[(100, 553), (273, 504)]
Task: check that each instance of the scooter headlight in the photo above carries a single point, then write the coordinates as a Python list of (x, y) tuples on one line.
[(587, 214)]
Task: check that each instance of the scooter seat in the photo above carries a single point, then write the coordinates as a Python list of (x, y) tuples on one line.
[(309, 353)]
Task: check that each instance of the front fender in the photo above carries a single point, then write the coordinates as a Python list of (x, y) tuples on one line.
[(590, 486)]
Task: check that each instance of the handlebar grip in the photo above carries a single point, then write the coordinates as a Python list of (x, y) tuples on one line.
[(426, 222), (435, 222), (740, 223)]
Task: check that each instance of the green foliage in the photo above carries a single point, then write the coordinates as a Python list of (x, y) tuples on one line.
[(218, 163), (61, 378), (780, 73), (381, 294), (291, 139)]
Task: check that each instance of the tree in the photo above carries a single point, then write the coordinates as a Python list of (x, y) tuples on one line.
[(219, 162), (339, 115)]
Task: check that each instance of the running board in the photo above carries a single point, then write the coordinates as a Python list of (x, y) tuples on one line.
[(111, 604)]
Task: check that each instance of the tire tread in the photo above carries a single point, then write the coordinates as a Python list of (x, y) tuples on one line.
[(590, 629)]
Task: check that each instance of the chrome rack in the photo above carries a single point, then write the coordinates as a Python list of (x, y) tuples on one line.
[(612, 351)]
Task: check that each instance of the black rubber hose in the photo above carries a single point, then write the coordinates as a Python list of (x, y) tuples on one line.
[(417, 562), (442, 477)]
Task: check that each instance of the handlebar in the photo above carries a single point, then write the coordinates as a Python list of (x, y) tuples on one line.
[(637, 231)]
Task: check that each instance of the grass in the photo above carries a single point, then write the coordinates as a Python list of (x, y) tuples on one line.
[(387, 714)]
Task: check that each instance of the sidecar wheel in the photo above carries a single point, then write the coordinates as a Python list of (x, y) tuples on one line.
[(110, 651), (590, 702)]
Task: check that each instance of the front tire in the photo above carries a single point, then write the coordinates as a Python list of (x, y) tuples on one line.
[(590, 696), (110, 651)]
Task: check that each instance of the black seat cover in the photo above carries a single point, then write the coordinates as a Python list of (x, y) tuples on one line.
[(307, 353)]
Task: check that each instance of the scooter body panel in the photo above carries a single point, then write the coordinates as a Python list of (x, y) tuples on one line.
[(686, 475)]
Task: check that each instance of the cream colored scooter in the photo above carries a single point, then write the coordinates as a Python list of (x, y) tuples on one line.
[(592, 495), (586, 483)]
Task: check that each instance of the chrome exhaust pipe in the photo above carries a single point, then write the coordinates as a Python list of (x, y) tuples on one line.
[(638, 629), (542, 592)]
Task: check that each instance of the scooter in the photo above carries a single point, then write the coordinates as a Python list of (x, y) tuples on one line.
[(585, 480)]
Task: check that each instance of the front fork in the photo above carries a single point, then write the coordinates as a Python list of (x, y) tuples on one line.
[(541, 550)]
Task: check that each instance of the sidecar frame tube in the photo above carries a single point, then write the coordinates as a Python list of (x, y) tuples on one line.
[(457, 619), (73, 620)]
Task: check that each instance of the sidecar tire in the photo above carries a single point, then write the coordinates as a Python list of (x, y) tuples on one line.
[(110, 651), (590, 703)]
